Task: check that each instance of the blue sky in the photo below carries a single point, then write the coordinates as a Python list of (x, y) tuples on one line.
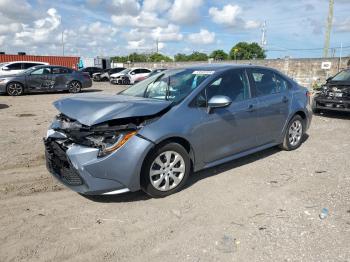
[(118, 27)]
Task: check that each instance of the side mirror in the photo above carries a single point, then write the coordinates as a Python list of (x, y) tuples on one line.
[(132, 73), (329, 79), (218, 102), (5, 68)]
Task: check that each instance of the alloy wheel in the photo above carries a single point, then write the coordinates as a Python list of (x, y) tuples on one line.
[(74, 87), (15, 89), (167, 171), (295, 132)]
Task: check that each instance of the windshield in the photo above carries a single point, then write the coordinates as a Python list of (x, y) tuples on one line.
[(171, 85), (342, 76), (31, 69)]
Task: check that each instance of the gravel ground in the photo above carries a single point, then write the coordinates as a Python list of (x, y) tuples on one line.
[(264, 207)]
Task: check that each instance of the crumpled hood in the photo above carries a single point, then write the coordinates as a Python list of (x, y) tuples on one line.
[(95, 109)]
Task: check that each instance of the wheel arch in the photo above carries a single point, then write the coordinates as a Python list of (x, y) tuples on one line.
[(173, 139)]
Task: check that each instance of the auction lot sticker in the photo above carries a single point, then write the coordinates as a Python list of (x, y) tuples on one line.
[(203, 72)]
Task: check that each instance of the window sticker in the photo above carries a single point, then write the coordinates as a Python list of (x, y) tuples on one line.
[(203, 72)]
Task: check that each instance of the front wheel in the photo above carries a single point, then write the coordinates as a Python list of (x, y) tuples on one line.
[(165, 170), (74, 87), (294, 134), (15, 89)]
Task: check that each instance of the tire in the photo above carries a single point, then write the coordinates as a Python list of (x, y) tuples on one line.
[(294, 134), (158, 175), (314, 109), (15, 89), (74, 87)]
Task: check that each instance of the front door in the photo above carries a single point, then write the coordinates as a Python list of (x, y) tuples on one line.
[(272, 93), (40, 79), (230, 130)]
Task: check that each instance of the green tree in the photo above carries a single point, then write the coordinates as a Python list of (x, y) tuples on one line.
[(197, 56), (181, 57), (219, 55), (246, 51), (156, 57)]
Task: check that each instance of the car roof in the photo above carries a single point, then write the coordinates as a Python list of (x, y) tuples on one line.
[(34, 62), (223, 67)]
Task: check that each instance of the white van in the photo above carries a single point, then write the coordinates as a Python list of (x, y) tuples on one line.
[(12, 68)]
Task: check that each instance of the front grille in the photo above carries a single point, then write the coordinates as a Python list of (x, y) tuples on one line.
[(58, 164)]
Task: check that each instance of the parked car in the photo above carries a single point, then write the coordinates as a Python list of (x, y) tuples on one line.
[(105, 74), (128, 76), (12, 68), (91, 70), (154, 72), (335, 94), (154, 134), (44, 79)]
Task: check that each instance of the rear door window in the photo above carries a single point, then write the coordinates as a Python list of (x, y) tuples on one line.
[(15, 66), (264, 82)]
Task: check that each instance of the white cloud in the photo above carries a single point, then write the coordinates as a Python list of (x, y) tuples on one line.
[(10, 28), (185, 11), (343, 26), (16, 10), (125, 7), (41, 31), (167, 34), (156, 5), (229, 16), (143, 20), (203, 37)]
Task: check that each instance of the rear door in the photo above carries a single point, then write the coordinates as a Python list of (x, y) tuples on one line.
[(60, 77), (40, 79), (272, 93)]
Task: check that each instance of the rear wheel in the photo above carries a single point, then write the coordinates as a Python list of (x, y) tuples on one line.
[(294, 134), (74, 87), (165, 170), (14, 89)]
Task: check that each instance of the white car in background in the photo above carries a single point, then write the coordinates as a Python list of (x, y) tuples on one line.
[(16, 67), (128, 76)]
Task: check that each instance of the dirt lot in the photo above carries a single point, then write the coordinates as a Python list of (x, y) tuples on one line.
[(264, 207)]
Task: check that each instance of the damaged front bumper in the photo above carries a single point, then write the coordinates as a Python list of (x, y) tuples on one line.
[(82, 170), (331, 103)]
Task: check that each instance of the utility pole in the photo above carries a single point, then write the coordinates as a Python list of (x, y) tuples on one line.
[(62, 44), (263, 36), (157, 45), (328, 28)]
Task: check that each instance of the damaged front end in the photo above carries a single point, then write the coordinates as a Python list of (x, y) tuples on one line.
[(333, 97), (93, 159), (106, 137)]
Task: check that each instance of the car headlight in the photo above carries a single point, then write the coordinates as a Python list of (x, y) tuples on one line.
[(3, 80), (109, 142)]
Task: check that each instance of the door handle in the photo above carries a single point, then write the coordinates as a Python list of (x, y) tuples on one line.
[(285, 99), (251, 108)]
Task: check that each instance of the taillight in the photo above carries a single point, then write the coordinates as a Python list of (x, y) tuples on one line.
[(308, 94)]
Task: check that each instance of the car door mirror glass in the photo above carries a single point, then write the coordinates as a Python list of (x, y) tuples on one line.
[(218, 101)]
